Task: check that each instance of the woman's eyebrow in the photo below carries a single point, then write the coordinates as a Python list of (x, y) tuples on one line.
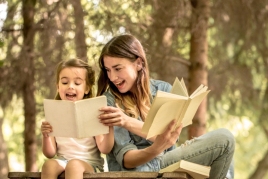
[(113, 66), (116, 65)]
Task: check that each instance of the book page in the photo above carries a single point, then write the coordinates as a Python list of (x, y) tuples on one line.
[(166, 113), (170, 95), (199, 90), (157, 103), (87, 111), (179, 88), (160, 99), (60, 114), (192, 108), (75, 119)]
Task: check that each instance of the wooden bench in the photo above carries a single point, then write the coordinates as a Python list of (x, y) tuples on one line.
[(108, 175)]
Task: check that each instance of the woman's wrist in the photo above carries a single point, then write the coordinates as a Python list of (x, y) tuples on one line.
[(152, 151), (127, 123)]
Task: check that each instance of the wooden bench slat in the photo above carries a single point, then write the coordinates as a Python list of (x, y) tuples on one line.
[(108, 175), (122, 175), (176, 175)]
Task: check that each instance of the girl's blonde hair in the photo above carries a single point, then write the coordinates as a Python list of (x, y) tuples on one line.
[(134, 104), (77, 63)]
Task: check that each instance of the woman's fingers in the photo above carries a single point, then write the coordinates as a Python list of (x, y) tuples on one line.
[(108, 109), (169, 137)]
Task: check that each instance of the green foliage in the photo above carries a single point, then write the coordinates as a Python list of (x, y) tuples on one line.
[(237, 58), (13, 133)]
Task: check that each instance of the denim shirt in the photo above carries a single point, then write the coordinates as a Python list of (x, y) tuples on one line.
[(125, 140)]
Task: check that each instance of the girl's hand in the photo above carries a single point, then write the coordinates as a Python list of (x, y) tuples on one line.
[(168, 138), (112, 116), (46, 128)]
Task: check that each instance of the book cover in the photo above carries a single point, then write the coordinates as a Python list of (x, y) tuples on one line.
[(175, 105), (77, 119), (197, 171)]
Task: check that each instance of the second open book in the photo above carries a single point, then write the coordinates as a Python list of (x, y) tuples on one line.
[(176, 105)]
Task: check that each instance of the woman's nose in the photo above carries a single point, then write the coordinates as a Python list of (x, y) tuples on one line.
[(113, 76)]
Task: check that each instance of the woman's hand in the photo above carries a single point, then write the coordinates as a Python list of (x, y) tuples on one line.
[(168, 138), (112, 116), (46, 128)]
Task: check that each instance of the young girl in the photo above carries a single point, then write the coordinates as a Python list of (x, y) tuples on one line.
[(75, 79), (124, 79)]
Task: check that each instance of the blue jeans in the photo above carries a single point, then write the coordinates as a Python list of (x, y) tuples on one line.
[(213, 149)]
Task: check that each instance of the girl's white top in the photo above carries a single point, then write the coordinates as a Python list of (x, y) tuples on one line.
[(83, 148)]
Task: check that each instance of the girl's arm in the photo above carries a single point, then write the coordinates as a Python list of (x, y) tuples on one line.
[(105, 142), (48, 143), (113, 116), (134, 158)]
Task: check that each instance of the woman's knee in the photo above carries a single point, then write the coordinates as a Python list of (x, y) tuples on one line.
[(225, 135)]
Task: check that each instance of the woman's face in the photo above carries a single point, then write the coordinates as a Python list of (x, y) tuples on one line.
[(72, 83), (122, 72)]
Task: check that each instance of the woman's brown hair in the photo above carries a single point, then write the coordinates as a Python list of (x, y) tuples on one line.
[(128, 47)]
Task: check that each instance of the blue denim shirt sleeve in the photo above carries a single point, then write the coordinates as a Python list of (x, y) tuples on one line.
[(125, 140)]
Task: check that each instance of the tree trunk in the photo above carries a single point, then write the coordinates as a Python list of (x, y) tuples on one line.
[(80, 38), (164, 61), (198, 59), (28, 88), (261, 169), (4, 168)]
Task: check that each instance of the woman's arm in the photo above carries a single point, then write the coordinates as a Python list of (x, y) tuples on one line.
[(134, 158), (113, 116), (105, 142), (48, 143)]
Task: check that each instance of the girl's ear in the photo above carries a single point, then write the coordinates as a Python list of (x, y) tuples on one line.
[(87, 90)]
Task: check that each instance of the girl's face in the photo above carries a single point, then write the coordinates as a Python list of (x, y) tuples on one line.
[(72, 83), (122, 72)]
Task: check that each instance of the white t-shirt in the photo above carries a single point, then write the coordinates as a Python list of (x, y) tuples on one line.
[(84, 149)]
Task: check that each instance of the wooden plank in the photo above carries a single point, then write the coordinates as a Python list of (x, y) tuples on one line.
[(24, 175), (176, 175), (108, 175), (121, 175), (111, 175)]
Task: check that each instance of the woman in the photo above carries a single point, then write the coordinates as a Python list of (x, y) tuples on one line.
[(124, 79)]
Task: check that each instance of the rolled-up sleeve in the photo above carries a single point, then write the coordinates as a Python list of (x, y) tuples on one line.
[(123, 141), (122, 144)]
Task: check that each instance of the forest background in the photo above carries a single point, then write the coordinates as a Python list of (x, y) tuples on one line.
[(220, 43)]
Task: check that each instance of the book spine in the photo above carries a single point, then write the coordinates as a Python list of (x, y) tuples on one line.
[(77, 131), (181, 113)]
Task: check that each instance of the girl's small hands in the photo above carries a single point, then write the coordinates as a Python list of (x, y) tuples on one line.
[(112, 116), (46, 128)]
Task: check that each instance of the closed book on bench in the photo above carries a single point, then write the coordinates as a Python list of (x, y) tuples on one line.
[(197, 171), (75, 119)]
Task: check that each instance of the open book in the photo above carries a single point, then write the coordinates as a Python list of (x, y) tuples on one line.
[(176, 105), (77, 119), (197, 171)]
